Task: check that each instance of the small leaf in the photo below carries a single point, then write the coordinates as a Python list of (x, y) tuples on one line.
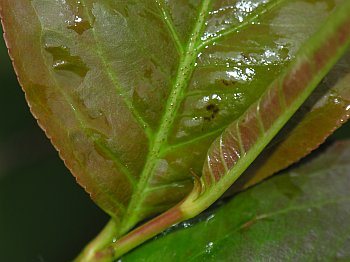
[(302, 215), (244, 139), (324, 111)]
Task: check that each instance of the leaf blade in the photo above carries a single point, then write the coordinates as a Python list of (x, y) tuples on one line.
[(91, 120), (245, 138), (308, 130), (264, 221)]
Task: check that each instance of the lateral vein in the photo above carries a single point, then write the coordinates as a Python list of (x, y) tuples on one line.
[(170, 24), (240, 26)]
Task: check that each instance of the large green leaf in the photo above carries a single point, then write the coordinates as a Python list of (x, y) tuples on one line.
[(302, 215), (125, 89)]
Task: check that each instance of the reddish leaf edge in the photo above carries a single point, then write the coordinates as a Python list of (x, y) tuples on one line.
[(52, 139), (300, 140), (298, 83)]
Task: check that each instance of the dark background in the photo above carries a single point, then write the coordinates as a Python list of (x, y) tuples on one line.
[(44, 214)]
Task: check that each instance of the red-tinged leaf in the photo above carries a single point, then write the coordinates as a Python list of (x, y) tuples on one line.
[(133, 93), (251, 133), (325, 110)]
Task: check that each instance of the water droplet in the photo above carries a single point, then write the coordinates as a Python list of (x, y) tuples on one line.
[(80, 21), (186, 224), (209, 247), (210, 218), (64, 61), (240, 75)]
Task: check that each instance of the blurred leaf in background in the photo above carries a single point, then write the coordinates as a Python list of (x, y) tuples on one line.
[(44, 214)]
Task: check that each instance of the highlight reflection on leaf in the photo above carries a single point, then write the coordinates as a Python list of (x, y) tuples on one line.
[(134, 93)]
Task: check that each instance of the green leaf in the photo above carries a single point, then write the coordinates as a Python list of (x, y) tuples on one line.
[(302, 215), (126, 89)]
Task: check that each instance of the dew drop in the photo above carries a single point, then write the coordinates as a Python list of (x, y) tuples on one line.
[(210, 218), (186, 224), (209, 247)]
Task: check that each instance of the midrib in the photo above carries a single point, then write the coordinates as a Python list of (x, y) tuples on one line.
[(184, 72)]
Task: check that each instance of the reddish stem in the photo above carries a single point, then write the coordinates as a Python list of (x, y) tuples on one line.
[(141, 234)]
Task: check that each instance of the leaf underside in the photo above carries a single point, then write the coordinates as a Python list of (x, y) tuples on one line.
[(302, 215), (324, 111), (133, 93)]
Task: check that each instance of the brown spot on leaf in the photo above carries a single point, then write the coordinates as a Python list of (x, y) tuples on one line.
[(213, 109)]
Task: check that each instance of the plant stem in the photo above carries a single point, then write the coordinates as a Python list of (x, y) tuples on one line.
[(139, 235), (104, 238)]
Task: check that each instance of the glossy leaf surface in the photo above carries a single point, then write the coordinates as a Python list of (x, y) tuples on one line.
[(245, 138), (324, 111), (126, 89), (302, 215)]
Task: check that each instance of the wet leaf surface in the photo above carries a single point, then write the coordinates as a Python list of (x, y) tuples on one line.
[(125, 109), (301, 215), (324, 111)]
